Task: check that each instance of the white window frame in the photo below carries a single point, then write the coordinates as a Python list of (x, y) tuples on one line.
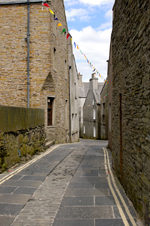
[(94, 131)]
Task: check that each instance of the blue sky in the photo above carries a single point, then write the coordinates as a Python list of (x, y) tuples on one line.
[(90, 24)]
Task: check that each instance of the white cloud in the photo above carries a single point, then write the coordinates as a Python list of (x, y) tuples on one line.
[(96, 2), (70, 2), (89, 2), (108, 14), (73, 14), (95, 45)]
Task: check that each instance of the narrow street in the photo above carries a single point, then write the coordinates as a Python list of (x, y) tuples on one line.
[(71, 185)]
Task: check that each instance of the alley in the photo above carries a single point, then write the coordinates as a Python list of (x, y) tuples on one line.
[(72, 185)]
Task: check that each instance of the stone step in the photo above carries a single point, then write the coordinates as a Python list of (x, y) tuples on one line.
[(49, 143)]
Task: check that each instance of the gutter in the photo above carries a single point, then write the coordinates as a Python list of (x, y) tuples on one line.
[(70, 132), (20, 2)]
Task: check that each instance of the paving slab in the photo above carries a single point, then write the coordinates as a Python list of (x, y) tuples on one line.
[(74, 223), (7, 189), (108, 222), (104, 200), (10, 209), (14, 198), (77, 201), (24, 190), (87, 192), (6, 220), (102, 212)]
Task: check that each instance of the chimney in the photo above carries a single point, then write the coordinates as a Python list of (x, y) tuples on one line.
[(94, 82)]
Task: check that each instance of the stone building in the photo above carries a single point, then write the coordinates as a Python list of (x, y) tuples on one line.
[(34, 62), (131, 100), (91, 109), (83, 90), (74, 98), (104, 112), (106, 104)]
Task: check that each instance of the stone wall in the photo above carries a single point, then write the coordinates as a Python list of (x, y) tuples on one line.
[(74, 98), (22, 134), (104, 112), (49, 76), (131, 100), (89, 122), (109, 96)]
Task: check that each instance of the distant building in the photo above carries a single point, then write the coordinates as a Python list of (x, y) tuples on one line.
[(106, 104), (74, 98), (83, 90), (104, 112), (91, 109)]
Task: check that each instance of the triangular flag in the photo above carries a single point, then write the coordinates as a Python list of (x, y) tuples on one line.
[(55, 18), (59, 24), (45, 4), (67, 35), (75, 45), (64, 31), (51, 11)]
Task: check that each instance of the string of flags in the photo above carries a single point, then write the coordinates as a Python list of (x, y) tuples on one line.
[(76, 46)]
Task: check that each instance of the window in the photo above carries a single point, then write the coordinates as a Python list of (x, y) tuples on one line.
[(84, 129), (94, 114), (94, 131), (50, 102)]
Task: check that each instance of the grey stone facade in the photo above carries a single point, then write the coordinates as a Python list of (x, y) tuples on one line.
[(131, 100), (106, 104), (91, 110), (74, 98), (83, 90)]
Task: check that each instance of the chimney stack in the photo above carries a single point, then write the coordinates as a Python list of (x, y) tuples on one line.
[(94, 82)]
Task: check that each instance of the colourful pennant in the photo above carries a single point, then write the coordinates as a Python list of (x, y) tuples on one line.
[(68, 35), (51, 12), (64, 31), (45, 4), (59, 24), (55, 18)]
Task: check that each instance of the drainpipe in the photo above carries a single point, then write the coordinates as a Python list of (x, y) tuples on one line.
[(70, 105), (28, 53)]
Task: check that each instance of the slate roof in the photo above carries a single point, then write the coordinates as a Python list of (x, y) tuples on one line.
[(97, 92)]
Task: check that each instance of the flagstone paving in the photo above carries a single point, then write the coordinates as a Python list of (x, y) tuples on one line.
[(67, 187)]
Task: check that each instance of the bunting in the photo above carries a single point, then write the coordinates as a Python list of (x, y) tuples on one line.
[(59, 24), (55, 18), (51, 12), (63, 31), (68, 35), (75, 44), (45, 4)]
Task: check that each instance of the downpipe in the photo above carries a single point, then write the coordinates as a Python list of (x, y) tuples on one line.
[(28, 53)]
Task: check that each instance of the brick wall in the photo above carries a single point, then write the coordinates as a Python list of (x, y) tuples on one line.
[(131, 100), (48, 62)]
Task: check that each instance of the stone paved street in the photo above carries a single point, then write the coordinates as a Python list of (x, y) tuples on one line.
[(67, 187)]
